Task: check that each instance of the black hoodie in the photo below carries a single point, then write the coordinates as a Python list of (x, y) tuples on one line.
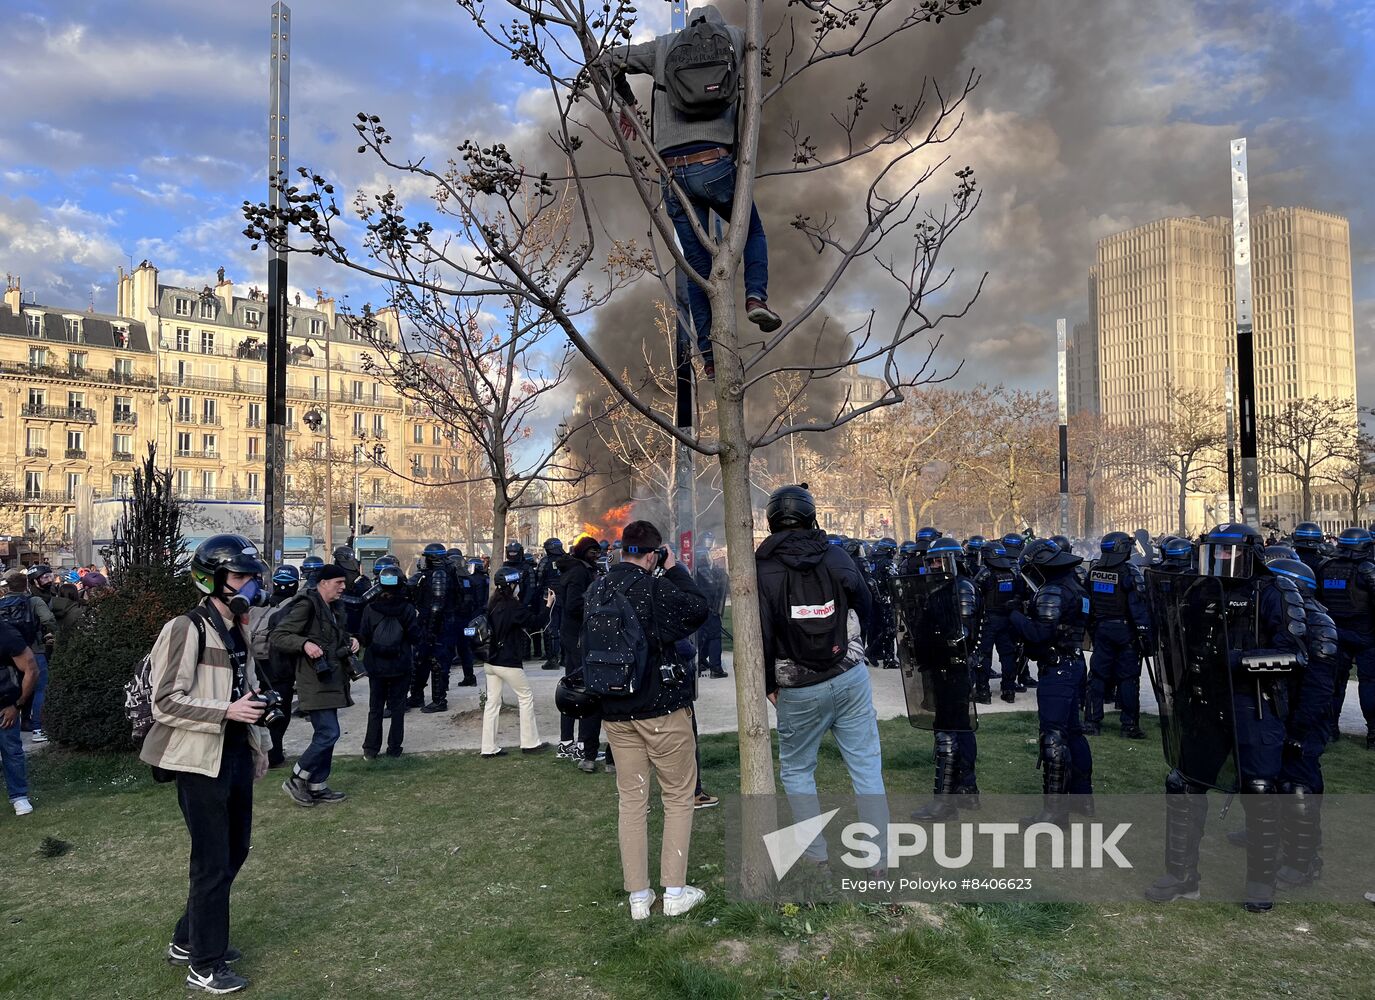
[(570, 589), (800, 550)]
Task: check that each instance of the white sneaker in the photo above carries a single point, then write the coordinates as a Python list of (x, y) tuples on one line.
[(38, 736), (22, 806), (639, 908), (676, 906)]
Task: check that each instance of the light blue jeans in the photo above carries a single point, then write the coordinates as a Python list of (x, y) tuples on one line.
[(12, 757), (844, 706)]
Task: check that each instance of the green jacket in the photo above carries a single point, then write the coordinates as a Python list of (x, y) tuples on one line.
[(310, 619)]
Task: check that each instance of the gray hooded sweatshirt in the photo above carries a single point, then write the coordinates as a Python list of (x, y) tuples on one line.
[(671, 129)]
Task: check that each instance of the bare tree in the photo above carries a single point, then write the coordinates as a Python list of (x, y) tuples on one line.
[(148, 534), (501, 257), (1012, 455), (1187, 447), (1352, 470), (1303, 437)]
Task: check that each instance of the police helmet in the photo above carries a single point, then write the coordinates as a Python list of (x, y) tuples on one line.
[(345, 556), (218, 556), (383, 562), (1116, 547), (908, 548), (928, 534), (1063, 542), (553, 547), (1354, 543), (574, 700), (434, 554), (38, 571), (286, 577), (476, 566), (515, 552), (1296, 570), (390, 578), (1280, 551), (942, 557), (507, 580), (1231, 551), (1042, 557), (791, 507), (975, 542), (1175, 551), (995, 555), (1307, 535), (834, 539), (1013, 542)]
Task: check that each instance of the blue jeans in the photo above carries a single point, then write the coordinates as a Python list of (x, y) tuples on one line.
[(844, 706), (33, 715), (315, 763), (12, 757), (710, 187)]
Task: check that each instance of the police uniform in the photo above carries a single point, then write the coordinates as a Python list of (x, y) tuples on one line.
[(1346, 587), (1119, 622), (1001, 592)]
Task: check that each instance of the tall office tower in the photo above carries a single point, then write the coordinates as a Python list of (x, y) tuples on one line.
[(1164, 306), (1081, 358)]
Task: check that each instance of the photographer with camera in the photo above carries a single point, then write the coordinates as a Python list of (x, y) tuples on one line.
[(314, 633), (633, 616), (204, 708)]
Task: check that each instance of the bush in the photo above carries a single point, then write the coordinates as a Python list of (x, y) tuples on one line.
[(96, 658)]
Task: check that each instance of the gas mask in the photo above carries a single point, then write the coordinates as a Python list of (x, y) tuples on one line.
[(249, 595)]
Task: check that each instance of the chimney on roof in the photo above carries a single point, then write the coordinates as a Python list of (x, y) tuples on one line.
[(12, 295), (224, 291)]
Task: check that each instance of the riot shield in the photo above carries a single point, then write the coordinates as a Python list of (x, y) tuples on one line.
[(1191, 677), (934, 654)]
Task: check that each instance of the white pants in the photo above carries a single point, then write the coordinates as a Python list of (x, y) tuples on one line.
[(497, 678)]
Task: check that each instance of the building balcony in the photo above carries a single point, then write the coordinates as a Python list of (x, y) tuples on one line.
[(121, 456), (212, 454), (35, 452), (76, 452), (258, 457), (127, 418), (217, 493), (200, 421), (79, 414), (253, 424), (171, 380), (46, 496), (76, 373)]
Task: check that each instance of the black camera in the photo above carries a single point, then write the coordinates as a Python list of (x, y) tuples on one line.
[(272, 707)]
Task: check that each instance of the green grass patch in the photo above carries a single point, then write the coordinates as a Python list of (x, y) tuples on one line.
[(450, 876)]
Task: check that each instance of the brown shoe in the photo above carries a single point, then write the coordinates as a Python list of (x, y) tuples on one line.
[(757, 311)]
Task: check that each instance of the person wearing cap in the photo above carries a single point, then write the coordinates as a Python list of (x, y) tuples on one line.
[(386, 634), (577, 571), (314, 632)]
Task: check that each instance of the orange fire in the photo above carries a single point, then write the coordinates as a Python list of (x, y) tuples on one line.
[(611, 523)]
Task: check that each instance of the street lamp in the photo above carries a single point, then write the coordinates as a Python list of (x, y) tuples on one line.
[(166, 401)]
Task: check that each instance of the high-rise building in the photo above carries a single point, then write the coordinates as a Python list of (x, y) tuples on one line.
[(186, 369), (1164, 309), (1081, 360)]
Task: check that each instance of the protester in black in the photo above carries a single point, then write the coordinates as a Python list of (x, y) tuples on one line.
[(576, 573), (386, 634)]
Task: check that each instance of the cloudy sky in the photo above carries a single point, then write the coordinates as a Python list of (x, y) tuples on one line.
[(136, 128)]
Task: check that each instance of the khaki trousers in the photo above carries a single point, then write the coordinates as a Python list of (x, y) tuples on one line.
[(497, 677), (666, 744)]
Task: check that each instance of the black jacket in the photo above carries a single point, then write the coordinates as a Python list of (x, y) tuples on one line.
[(381, 607), (570, 589), (799, 549), (509, 621), (669, 607), (309, 619)]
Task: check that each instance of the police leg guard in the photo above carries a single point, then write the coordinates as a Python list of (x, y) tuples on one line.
[(942, 806), (1263, 842), (1186, 811), (1301, 828), (1055, 772)]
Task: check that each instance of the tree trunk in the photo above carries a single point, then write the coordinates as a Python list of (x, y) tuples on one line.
[(1183, 500), (1307, 482), (909, 529), (1090, 509), (501, 510)]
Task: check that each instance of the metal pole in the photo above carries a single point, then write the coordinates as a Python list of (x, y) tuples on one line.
[(1231, 448), (356, 519), (1063, 386), (329, 452), (1246, 362), (279, 90)]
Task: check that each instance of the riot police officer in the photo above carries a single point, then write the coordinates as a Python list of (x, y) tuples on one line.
[(1176, 555), (1121, 628), (1241, 630), (436, 600), (355, 586), (481, 584), (545, 574), (938, 612), (712, 582), (1306, 734), (466, 608), (925, 536), (1310, 543), (973, 554), (310, 571), (1053, 630), (1001, 591), (286, 581), (1015, 543), (908, 560), (881, 650), (1346, 587), (515, 560)]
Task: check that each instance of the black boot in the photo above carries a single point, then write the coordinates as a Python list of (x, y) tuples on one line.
[(942, 806), (1263, 842), (983, 695), (1055, 768), (1186, 812), (1301, 829)]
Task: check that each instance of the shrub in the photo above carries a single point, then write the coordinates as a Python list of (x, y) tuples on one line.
[(94, 659)]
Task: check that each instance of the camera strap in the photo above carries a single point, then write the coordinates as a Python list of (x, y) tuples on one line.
[(237, 650)]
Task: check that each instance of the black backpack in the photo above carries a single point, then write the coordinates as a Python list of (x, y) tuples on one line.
[(816, 634), (478, 632), (701, 70), (16, 610), (388, 640), (615, 649), (138, 691)]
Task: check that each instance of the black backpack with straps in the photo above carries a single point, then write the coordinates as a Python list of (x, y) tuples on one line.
[(816, 634), (615, 646), (701, 70)]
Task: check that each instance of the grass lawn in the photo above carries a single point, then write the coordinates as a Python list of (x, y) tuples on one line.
[(451, 876)]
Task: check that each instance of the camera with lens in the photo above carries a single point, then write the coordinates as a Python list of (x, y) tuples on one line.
[(272, 707)]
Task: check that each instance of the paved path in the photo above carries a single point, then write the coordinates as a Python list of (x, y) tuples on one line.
[(461, 728)]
